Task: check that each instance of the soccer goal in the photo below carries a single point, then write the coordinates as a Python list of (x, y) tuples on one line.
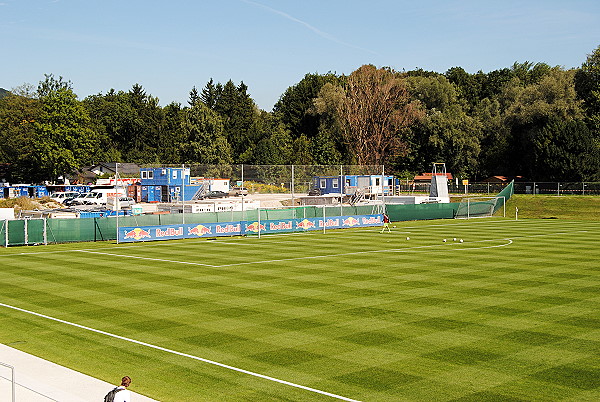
[(480, 207)]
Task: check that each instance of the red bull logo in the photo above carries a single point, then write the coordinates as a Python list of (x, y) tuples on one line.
[(169, 232), (255, 227), (305, 224), (228, 228), (371, 220), (199, 230), (351, 221), (280, 226), (329, 223), (137, 234)]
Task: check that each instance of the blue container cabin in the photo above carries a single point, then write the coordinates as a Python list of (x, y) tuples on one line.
[(350, 184), (167, 184)]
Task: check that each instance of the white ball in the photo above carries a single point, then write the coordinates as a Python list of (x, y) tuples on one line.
[(461, 240), (394, 225), (455, 239), (444, 240), (408, 238)]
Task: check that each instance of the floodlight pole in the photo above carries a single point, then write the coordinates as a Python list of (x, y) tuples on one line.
[(242, 192), (382, 188), (292, 187), (342, 189), (183, 193), (324, 219), (259, 222), (117, 197)]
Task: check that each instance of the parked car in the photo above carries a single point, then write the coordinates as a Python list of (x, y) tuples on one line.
[(64, 196), (314, 192), (236, 191), (126, 202), (216, 194), (79, 200), (92, 198)]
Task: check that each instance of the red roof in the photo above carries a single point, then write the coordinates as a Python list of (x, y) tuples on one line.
[(427, 176)]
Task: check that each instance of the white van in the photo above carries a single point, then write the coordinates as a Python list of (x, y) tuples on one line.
[(100, 196), (79, 200), (62, 196)]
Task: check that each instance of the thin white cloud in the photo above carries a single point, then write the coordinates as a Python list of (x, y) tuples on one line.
[(322, 34)]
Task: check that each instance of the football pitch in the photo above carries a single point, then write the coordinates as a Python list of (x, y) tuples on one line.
[(510, 313)]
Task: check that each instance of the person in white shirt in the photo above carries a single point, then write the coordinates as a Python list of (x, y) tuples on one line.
[(124, 395)]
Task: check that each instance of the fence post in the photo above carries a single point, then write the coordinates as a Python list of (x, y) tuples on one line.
[(25, 229), (46, 232)]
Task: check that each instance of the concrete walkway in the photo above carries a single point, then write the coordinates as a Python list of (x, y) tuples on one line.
[(38, 380)]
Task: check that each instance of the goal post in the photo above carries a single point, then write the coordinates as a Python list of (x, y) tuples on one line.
[(480, 207)]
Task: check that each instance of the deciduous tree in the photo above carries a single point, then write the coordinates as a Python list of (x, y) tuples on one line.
[(375, 110)]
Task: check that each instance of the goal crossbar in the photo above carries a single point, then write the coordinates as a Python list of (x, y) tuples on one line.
[(480, 207)]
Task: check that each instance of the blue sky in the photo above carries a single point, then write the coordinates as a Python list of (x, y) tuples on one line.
[(170, 46)]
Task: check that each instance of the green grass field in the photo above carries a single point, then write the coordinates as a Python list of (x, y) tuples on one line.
[(512, 313)]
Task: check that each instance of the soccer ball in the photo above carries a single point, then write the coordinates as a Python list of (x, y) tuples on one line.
[(408, 238), (455, 239), (444, 240), (394, 226), (461, 240)]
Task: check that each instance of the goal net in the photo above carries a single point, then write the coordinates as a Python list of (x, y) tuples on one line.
[(479, 207)]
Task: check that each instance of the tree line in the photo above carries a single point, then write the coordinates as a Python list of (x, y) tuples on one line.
[(531, 120)]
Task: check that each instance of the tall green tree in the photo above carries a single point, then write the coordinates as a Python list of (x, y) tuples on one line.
[(587, 85), (446, 133), (565, 150), (529, 109), (18, 115), (204, 141), (63, 140), (328, 146), (294, 107)]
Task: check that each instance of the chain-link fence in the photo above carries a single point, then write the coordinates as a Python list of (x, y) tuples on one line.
[(542, 188)]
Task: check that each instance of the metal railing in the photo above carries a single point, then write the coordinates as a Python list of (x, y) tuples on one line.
[(12, 370)]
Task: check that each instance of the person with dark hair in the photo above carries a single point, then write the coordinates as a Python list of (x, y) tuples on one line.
[(386, 224), (120, 393)]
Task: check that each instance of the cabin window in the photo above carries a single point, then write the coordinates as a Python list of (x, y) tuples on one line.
[(174, 174), (334, 183), (377, 181), (323, 183), (144, 174)]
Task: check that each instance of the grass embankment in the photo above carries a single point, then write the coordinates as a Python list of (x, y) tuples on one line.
[(554, 207)]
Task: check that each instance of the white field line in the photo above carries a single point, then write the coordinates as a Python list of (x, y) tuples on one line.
[(149, 345), (392, 250), (147, 258), (241, 242)]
